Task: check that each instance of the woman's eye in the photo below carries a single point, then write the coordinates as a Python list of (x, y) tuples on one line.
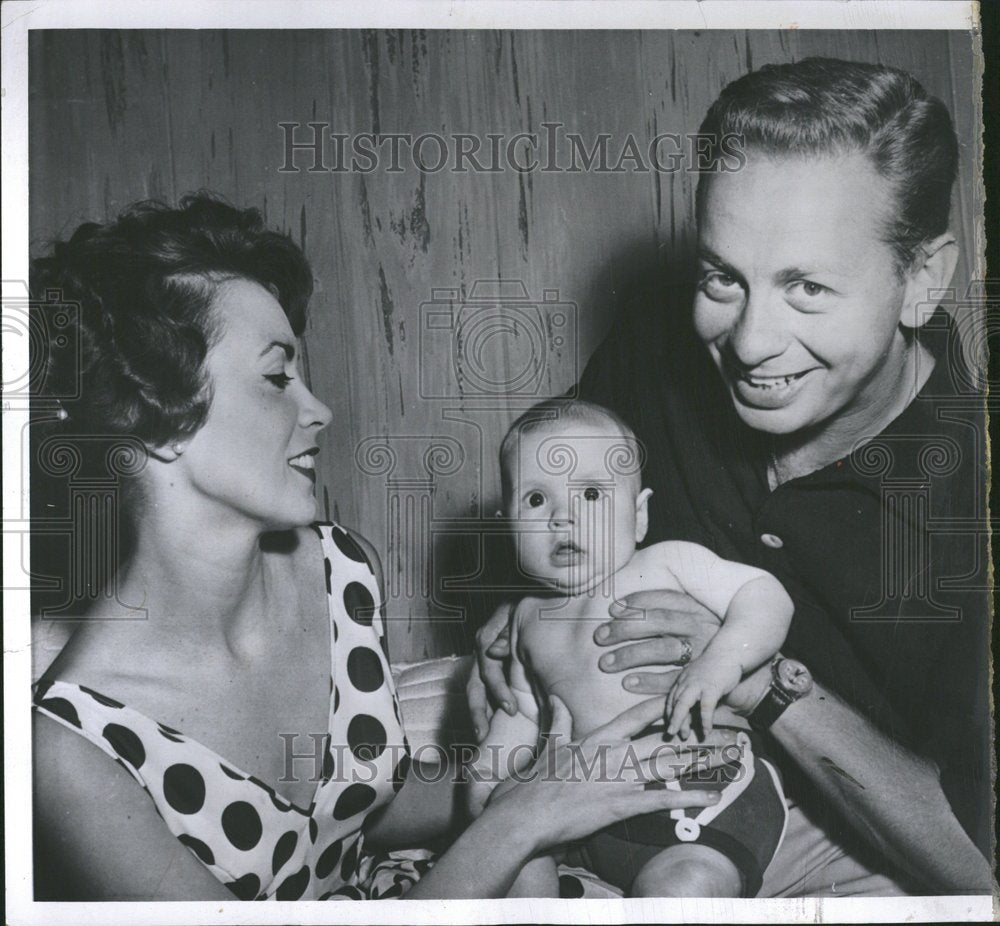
[(591, 494), (536, 500), (720, 286), (281, 380)]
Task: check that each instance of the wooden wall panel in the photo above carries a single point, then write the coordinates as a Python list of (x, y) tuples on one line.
[(119, 116)]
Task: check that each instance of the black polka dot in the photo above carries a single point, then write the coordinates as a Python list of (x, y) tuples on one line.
[(61, 708), (349, 547), (348, 890), (329, 858), (283, 850), (125, 743), (313, 830), (328, 572), (184, 788), (364, 669), (359, 603), (399, 774), (570, 887), (166, 734), (246, 888), (396, 890), (328, 764), (102, 699), (199, 848), (236, 776), (366, 737), (353, 799), (336, 699), (349, 864), (241, 824), (293, 887), (336, 632), (261, 896)]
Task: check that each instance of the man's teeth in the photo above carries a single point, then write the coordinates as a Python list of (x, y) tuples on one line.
[(769, 382), (304, 461)]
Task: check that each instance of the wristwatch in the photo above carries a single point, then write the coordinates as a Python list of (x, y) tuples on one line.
[(790, 680)]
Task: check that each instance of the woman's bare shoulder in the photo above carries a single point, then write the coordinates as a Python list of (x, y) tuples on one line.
[(97, 833)]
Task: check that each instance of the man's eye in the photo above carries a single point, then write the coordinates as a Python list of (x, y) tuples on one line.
[(720, 286), (281, 380), (536, 500), (591, 494), (810, 289)]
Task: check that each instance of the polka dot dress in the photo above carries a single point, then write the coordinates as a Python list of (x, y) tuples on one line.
[(254, 841)]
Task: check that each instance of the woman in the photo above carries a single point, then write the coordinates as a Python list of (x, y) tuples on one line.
[(262, 635)]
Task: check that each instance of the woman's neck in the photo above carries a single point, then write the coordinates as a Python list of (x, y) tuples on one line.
[(201, 584), (799, 454)]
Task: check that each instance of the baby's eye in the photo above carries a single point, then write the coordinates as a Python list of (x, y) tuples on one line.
[(536, 500), (591, 494)]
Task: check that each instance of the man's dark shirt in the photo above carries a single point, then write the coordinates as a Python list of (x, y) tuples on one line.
[(884, 552)]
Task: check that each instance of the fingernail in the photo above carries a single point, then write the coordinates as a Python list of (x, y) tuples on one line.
[(604, 631), (608, 660), (631, 682), (617, 608), (509, 708), (477, 732)]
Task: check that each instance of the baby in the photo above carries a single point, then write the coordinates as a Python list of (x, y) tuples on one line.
[(572, 486)]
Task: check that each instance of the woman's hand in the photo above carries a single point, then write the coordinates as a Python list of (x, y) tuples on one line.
[(576, 788), (671, 629), (487, 685)]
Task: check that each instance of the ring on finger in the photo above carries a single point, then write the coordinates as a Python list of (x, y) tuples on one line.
[(686, 652)]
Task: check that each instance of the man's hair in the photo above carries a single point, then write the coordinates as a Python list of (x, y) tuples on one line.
[(830, 106), (550, 413), (145, 284)]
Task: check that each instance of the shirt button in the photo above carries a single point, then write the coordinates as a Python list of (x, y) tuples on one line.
[(772, 540)]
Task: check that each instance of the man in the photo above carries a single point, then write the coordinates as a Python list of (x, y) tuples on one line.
[(830, 435)]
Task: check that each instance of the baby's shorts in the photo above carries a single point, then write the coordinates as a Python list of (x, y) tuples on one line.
[(746, 825)]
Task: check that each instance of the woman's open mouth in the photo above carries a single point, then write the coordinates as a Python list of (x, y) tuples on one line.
[(305, 463)]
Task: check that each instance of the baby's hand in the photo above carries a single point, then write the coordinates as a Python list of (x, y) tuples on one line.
[(704, 682)]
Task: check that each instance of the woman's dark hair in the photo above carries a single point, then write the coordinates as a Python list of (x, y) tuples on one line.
[(143, 286), (825, 105)]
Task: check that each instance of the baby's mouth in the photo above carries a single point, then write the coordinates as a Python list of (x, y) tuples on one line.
[(566, 550)]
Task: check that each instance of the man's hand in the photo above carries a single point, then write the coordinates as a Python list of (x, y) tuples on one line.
[(668, 626), (487, 685)]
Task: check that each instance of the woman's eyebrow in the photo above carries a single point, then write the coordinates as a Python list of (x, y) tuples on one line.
[(289, 349)]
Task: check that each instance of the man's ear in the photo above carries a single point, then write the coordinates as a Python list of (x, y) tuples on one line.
[(932, 270), (166, 453), (642, 514)]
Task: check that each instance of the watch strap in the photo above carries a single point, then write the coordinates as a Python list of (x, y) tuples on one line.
[(772, 705)]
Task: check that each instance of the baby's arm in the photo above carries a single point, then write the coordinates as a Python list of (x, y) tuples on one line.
[(510, 744), (756, 612)]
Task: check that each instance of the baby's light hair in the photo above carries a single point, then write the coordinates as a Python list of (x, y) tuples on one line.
[(551, 413)]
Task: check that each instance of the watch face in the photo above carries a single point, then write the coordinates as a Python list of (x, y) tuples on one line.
[(793, 677)]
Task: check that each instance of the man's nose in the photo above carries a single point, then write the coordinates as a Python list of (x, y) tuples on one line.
[(757, 334)]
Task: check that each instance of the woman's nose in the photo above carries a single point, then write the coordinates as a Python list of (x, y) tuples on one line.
[(314, 413)]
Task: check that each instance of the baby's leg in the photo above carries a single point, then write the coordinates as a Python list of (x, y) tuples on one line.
[(688, 870), (539, 878)]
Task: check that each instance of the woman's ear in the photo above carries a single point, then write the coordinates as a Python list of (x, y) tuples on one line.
[(166, 453), (930, 273), (642, 514)]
